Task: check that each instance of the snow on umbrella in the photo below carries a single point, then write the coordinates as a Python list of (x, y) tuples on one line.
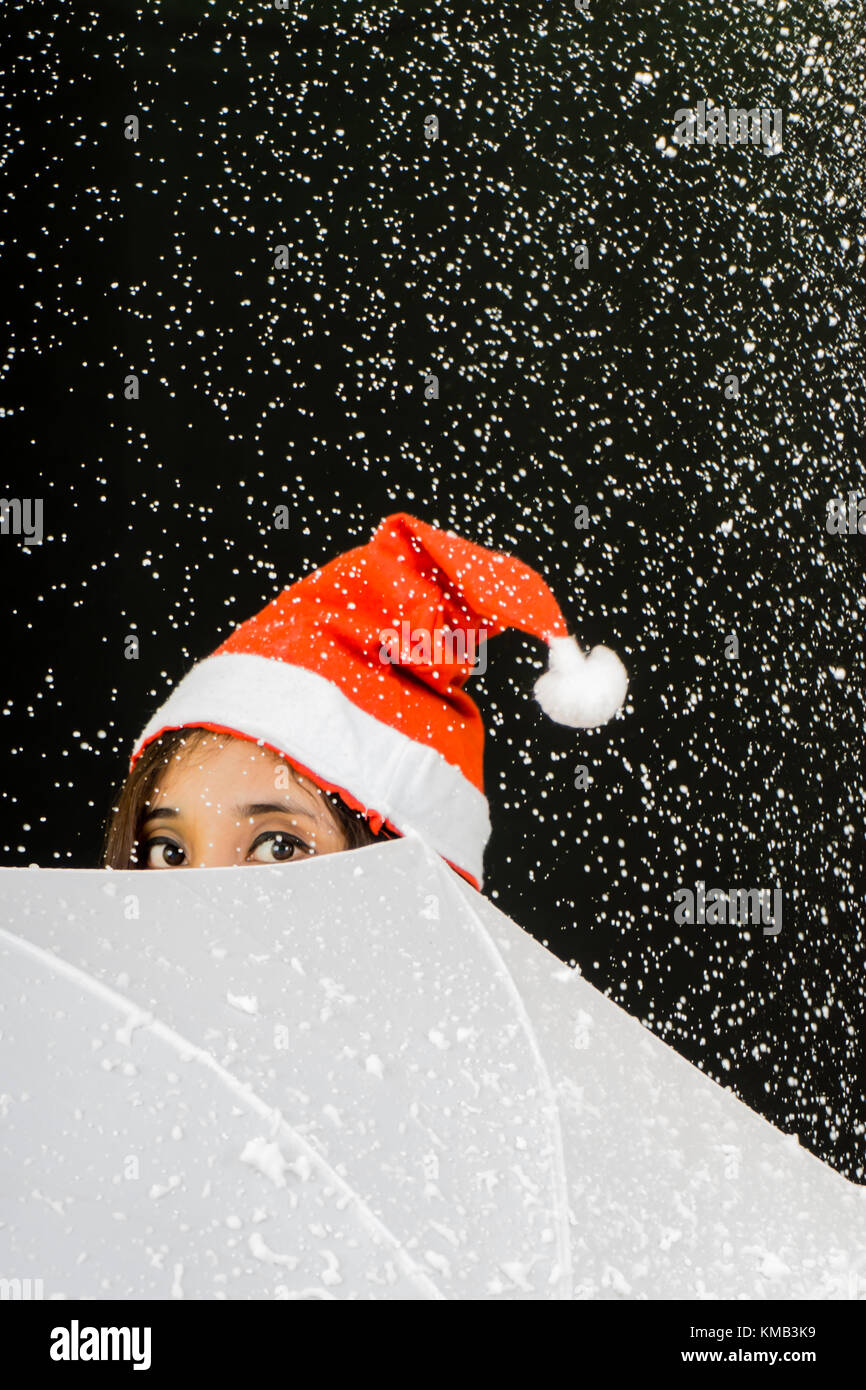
[(355, 1078)]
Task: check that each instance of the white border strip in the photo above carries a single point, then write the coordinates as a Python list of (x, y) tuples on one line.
[(310, 719)]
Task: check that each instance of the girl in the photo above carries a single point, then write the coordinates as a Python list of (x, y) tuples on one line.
[(336, 717)]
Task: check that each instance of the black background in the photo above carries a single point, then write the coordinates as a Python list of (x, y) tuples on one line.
[(558, 386)]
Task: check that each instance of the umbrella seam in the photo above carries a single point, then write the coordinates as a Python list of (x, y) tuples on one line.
[(560, 1181)]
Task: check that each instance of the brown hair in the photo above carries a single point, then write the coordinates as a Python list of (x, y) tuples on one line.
[(123, 831)]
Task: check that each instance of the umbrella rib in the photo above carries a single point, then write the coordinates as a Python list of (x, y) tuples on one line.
[(140, 1017), (560, 1182)]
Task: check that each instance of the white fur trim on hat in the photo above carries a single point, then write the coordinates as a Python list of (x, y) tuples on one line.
[(309, 719)]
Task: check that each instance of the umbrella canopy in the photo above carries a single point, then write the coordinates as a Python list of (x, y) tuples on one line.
[(355, 1078)]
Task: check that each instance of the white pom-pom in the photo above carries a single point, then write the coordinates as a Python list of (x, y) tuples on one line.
[(579, 689)]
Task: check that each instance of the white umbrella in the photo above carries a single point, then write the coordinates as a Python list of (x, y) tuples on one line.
[(355, 1078)]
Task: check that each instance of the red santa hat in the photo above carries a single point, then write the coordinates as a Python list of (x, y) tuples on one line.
[(355, 674)]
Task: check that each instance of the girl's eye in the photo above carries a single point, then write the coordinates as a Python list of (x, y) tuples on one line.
[(163, 854), (275, 847)]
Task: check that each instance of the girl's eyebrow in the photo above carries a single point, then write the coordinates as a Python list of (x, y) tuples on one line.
[(264, 808), (255, 808)]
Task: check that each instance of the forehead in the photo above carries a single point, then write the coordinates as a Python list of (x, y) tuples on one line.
[(221, 762)]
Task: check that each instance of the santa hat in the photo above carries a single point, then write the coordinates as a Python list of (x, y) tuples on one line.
[(355, 674)]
